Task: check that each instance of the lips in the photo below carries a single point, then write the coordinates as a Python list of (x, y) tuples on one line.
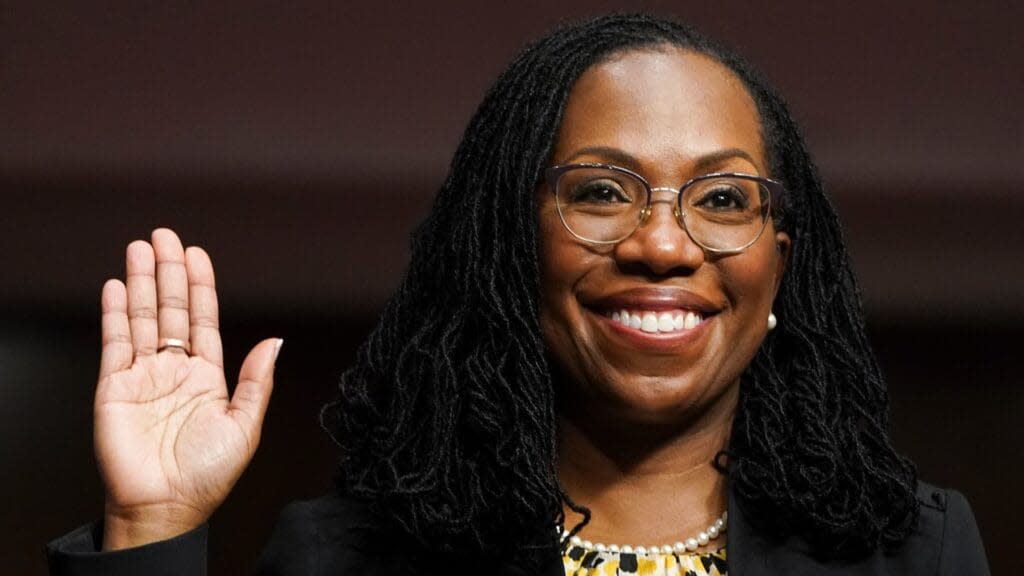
[(654, 299), (654, 310)]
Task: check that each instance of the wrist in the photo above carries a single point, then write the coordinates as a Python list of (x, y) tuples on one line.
[(130, 528)]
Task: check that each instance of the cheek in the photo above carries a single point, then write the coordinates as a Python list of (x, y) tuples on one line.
[(563, 263), (559, 268), (552, 273), (561, 258), (749, 282)]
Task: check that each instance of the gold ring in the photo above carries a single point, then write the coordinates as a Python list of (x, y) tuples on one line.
[(166, 343)]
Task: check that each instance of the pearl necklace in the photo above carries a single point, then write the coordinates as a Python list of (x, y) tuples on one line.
[(716, 529)]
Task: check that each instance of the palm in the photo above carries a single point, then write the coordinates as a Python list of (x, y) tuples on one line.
[(164, 432), (168, 436)]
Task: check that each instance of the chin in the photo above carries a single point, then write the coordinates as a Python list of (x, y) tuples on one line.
[(661, 400)]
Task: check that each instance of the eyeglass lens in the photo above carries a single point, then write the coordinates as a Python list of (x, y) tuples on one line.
[(604, 205)]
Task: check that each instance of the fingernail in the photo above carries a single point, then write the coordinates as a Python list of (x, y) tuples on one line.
[(277, 347)]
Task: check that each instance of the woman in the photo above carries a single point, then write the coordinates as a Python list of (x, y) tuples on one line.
[(629, 340)]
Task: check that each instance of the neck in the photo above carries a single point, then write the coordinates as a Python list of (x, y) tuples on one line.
[(643, 488)]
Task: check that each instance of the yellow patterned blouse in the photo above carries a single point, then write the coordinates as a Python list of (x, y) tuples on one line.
[(580, 562)]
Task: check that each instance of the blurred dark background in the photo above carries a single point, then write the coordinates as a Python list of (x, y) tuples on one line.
[(300, 143)]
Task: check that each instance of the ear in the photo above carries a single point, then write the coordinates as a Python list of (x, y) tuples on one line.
[(783, 247)]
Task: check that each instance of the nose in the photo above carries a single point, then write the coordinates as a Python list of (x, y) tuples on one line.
[(660, 244)]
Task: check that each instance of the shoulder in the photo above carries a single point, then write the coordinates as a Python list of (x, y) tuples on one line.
[(328, 535), (334, 534), (328, 516), (947, 533), (945, 541)]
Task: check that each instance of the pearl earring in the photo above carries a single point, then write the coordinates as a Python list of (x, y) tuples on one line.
[(772, 321)]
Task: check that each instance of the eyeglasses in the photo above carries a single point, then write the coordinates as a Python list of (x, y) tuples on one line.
[(723, 213)]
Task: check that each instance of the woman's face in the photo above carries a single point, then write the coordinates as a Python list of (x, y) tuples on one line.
[(669, 115)]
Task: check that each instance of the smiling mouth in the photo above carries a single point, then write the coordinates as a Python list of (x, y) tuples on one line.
[(657, 322)]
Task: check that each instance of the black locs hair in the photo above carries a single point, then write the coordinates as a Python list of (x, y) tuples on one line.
[(446, 422)]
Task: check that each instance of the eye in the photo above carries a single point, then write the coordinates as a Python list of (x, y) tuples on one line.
[(722, 197), (601, 191)]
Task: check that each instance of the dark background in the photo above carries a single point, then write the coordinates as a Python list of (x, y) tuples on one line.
[(300, 143)]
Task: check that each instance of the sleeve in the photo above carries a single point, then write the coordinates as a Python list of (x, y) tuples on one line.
[(79, 553), (962, 549), (313, 537), (294, 546)]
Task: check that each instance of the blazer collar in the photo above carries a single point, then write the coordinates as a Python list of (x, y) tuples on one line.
[(751, 554), (747, 554)]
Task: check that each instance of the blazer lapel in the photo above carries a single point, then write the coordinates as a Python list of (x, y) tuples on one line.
[(744, 556), (551, 566), (750, 554)]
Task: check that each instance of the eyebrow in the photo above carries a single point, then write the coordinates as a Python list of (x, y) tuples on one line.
[(607, 152), (621, 156)]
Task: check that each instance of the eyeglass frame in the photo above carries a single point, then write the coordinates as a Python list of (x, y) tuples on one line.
[(775, 191)]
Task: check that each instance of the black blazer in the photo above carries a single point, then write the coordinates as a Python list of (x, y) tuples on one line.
[(324, 537)]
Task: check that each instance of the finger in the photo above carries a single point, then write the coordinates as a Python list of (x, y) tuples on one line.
[(255, 382), (204, 333), (171, 285), (114, 329), (141, 290)]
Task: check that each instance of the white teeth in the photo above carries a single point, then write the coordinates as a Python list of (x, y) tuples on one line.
[(650, 322), (679, 322), (655, 322), (665, 322), (691, 321)]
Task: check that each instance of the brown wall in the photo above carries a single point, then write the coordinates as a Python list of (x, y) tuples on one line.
[(301, 142)]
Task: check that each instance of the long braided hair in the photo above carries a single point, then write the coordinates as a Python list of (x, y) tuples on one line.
[(446, 422)]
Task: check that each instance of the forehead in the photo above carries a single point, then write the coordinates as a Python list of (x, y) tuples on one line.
[(664, 106)]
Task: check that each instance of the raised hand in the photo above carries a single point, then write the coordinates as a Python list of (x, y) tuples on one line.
[(169, 441)]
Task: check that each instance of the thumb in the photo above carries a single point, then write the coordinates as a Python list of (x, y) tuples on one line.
[(255, 382)]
